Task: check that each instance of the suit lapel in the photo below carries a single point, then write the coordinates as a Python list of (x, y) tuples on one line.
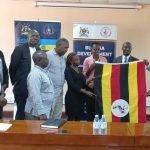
[(27, 50), (37, 48), (130, 59), (120, 59)]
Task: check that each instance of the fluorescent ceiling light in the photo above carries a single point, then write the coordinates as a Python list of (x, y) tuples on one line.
[(86, 5)]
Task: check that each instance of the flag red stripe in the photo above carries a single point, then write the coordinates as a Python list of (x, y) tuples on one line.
[(115, 87), (141, 92)]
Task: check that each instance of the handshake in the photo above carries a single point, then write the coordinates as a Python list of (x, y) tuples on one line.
[(3, 101)]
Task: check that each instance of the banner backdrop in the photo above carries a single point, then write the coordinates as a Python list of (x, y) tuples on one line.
[(49, 32), (83, 49), (85, 34)]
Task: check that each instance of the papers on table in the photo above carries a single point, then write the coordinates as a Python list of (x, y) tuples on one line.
[(5, 126)]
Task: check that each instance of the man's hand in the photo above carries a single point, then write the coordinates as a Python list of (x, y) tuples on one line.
[(3, 101), (43, 117), (146, 62)]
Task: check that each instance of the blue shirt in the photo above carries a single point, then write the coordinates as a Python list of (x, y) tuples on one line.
[(56, 68), (41, 92)]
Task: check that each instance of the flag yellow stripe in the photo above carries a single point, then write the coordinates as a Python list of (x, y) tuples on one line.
[(47, 47), (106, 91), (133, 92)]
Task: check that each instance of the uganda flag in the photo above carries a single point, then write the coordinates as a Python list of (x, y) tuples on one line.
[(120, 91)]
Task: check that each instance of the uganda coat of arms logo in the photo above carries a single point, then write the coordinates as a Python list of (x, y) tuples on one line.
[(84, 32)]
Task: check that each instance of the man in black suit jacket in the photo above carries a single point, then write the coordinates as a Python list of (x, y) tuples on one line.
[(3, 79), (20, 66), (126, 57)]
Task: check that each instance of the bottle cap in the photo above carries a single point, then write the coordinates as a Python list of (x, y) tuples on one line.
[(96, 115), (103, 116)]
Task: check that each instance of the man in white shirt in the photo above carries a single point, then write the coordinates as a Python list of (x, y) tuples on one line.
[(20, 66), (40, 89), (56, 68)]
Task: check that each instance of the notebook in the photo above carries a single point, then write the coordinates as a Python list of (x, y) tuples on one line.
[(53, 123)]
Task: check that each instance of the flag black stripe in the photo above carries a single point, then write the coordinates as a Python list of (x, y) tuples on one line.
[(124, 90), (98, 89)]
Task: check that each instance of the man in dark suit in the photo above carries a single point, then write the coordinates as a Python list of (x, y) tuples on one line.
[(3, 80), (20, 66), (126, 57)]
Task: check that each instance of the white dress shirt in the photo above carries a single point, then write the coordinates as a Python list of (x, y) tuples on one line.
[(32, 50), (124, 58)]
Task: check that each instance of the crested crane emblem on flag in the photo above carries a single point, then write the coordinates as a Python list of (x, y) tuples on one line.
[(120, 108), (84, 32)]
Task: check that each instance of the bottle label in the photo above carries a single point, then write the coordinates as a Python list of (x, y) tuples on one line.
[(95, 125)]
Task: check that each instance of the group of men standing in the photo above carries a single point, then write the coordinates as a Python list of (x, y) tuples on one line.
[(45, 79), (38, 78)]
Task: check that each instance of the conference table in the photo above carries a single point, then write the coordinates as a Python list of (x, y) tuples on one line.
[(28, 135)]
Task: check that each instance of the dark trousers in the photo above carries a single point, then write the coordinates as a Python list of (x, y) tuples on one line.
[(90, 106), (74, 118), (94, 106), (20, 101), (1, 112)]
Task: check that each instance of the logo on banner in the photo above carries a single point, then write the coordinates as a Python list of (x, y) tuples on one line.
[(120, 108), (105, 32), (84, 32), (48, 30), (25, 28)]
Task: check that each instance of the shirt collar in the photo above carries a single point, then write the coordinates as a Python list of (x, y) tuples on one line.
[(38, 67), (126, 56), (55, 53), (93, 58)]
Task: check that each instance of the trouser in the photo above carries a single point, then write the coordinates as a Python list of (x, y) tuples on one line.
[(74, 118), (1, 112), (90, 106), (20, 101), (57, 107)]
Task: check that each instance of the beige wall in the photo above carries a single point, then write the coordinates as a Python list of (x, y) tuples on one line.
[(133, 25)]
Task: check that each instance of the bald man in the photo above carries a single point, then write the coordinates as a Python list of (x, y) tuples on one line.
[(40, 87), (20, 65)]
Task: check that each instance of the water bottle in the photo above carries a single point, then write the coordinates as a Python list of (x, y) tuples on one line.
[(103, 126), (96, 125)]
